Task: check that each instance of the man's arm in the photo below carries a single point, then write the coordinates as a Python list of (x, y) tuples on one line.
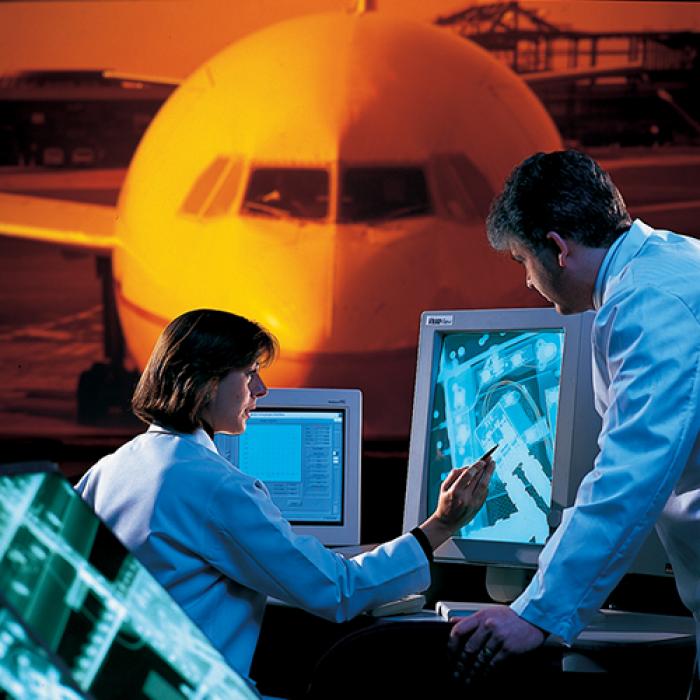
[(649, 343)]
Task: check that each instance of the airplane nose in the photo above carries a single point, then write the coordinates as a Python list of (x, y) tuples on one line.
[(383, 277), (340, 288), (332, 288), (343, 300), (345, 303), (386, 275), (289, 289)]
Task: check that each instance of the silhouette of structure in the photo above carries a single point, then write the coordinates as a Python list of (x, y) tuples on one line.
[(607, 87)]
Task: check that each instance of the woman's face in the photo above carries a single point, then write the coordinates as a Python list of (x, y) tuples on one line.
[(234, 399)]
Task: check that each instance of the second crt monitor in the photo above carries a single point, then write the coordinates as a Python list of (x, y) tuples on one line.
[(305, 446), (519, 378), (514, 378)]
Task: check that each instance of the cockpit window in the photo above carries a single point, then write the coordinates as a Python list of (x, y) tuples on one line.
[(213, 192), (287, 192), (462, 191), (371, 193), (203, 186)]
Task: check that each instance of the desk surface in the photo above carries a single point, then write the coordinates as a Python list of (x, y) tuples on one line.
[(609, 626), (613, 626), (293, 643)]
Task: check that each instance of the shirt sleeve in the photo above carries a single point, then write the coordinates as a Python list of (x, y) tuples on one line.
[(251, 542), (647, 357)]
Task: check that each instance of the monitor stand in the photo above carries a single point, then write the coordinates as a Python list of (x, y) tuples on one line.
[(505, 584)]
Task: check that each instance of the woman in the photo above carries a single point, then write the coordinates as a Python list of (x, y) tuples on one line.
[(209, 533)]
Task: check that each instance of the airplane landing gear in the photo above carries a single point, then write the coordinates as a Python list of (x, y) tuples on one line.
[(104, 391)]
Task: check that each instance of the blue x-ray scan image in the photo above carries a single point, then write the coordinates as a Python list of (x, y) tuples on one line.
[(500, 388)]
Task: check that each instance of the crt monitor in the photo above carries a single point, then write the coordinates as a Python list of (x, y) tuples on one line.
[(305, 446), (80, 616), (521, 379)]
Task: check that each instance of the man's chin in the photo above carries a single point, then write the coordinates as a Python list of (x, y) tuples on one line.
[(564, 309), (568, 310)]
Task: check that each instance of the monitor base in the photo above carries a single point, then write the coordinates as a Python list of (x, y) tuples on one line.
[(505, 584)]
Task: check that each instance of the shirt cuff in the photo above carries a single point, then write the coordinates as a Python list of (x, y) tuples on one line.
[(423, 542)]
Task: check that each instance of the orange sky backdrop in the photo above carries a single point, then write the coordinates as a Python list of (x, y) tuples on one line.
[(172, 37)]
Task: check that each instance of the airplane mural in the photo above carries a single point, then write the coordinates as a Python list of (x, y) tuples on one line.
[(328, 177)]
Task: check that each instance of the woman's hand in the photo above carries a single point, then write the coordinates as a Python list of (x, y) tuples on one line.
[(462, 494)]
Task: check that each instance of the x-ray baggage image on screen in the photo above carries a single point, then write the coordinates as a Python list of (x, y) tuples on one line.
[(520, 379), (500, 388)]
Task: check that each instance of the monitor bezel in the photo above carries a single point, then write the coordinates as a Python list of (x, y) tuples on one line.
[(434, 326), (349, 401)]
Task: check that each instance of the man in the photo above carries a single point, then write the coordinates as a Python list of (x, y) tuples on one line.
[(561, 217)]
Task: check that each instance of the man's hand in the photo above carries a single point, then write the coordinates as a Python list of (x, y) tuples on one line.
[(487, 638)]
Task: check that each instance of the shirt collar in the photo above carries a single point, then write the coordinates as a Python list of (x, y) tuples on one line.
[(199, 436), (620, 252)]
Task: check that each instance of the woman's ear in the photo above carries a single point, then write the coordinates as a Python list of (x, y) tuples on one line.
[(560, 247)]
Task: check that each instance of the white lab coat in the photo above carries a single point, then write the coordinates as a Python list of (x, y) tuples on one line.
[(212, 536), (646, 377)]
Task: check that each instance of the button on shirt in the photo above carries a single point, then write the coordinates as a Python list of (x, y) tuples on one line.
[(646, 378), (212, 536)]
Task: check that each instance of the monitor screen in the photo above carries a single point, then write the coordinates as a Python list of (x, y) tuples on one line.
[(519, 379), (92, 605), (305, 445), (499, 388)]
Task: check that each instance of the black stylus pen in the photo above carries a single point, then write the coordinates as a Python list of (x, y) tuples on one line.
[(483, 458), (488, 453)]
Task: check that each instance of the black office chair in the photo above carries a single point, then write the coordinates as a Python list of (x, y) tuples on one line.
[(409, 659), (694, 685), (389, 659)]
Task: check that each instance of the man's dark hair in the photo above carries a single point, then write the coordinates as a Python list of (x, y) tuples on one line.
[(562, 191), (191, 356)]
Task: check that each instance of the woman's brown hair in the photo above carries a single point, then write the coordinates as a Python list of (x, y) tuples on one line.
[(193, 354)]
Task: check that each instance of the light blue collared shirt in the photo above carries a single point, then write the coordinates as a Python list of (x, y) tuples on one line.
[(646, 378), (603, 271), (212, 536)]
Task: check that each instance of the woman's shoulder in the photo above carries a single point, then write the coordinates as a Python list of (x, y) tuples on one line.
[(167, 454)]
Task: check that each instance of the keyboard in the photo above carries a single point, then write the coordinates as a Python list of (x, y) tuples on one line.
[(406, 605)]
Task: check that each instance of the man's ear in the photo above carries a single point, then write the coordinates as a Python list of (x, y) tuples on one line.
[(561, 248)]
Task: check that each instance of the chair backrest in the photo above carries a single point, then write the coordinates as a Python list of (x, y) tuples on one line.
[(409, 659), (390, 658)]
